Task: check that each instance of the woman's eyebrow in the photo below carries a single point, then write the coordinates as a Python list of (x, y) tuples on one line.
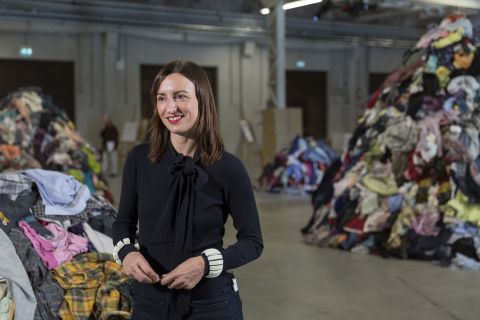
[(175, 92)]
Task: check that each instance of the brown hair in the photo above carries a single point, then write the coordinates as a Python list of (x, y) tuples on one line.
[(205, 129)]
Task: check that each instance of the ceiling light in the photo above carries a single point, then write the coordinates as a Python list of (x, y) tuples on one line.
[(264, 11), (292, 5), (299, 3), (472, 4)]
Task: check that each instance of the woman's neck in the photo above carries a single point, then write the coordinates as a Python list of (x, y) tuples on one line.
[(183, 145)]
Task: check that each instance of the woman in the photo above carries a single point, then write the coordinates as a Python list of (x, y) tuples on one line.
[(180, 187)]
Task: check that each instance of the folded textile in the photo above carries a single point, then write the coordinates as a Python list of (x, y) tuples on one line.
[(61, 194)]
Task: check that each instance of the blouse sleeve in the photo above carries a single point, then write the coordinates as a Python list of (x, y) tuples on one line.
[(125, 226), (241, 203)]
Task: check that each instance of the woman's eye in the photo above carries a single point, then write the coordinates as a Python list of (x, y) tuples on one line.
[(181, 97), (160, 99)]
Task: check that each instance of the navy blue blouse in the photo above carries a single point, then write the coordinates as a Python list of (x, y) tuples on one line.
[(219, 190)]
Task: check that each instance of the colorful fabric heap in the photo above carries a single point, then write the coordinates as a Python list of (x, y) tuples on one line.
[(409, 183), (299, 168), (55, 244), (36, 134)]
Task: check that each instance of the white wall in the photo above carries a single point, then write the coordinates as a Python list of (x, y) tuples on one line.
[(107, 66)]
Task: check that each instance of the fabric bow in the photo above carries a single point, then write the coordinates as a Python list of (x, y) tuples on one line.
[(177, 221)]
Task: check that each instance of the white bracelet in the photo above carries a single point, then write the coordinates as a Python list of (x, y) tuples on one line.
[(215, 262), (116, 249)]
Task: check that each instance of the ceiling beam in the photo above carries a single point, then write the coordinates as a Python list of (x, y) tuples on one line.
[(192, 20)]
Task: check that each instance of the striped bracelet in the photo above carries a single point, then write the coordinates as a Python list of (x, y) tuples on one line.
[(116, 249), (215, 262)]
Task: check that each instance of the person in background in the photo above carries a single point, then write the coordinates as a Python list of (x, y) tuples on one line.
[(180, 188), (109, 135)]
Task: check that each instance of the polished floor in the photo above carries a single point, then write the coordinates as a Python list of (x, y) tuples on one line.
[(296, 281)]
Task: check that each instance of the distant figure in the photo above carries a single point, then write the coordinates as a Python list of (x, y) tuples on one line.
[(109, 135)]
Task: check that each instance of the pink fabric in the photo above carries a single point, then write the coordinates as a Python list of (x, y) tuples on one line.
[(63, 247), (425, 223)]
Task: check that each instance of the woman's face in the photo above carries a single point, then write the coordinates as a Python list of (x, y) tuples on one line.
[(177, 104)]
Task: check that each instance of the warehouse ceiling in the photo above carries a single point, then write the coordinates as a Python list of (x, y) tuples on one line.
[(351, 21), (408, 13)]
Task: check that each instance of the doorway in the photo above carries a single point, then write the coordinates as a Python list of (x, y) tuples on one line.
[(308, 90)]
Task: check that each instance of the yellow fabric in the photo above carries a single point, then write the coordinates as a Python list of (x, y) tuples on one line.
[(90, 281), (450, 39), (77, 174), (400, 227), (443, 75), (460, 209), (92, 162), (374, 153), (383, 185)]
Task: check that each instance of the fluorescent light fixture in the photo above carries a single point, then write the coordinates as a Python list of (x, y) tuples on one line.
[(299, 3), (472, 4), (292, 5), (25, 51), (264, 11)]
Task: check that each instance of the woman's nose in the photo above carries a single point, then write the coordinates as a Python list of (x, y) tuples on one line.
[(171, 105)]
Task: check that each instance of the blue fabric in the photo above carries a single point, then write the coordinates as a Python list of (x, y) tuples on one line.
[(465, 229), (61, 194), (395, 203), (465, 262), (88, 180)]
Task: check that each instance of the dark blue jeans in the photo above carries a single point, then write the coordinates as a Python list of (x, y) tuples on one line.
[(212, 299)]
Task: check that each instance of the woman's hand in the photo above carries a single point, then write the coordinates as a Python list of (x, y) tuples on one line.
[(137, 267), (186, 275)]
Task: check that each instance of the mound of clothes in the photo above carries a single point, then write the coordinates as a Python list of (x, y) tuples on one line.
[(299, 168), (34, 133), (55, 241), (408, 184), (56, 219)]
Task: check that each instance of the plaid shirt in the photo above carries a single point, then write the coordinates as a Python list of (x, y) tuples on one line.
[(91, 281), (14, 183), (96, 206), (48, 292)]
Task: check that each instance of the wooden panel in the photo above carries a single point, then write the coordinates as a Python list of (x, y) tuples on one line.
[(279, 128), (55, 78)]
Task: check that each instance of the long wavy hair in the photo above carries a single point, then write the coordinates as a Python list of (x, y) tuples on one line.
[(205, 129)]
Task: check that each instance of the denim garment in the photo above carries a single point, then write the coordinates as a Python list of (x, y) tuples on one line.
[(211, 299)]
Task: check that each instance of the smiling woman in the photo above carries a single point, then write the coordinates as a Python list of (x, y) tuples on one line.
[(180, 188), (177, 107)]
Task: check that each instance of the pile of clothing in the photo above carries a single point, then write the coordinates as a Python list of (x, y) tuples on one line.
[(409, 181), (55, 240), (34, 133), (299, 168)]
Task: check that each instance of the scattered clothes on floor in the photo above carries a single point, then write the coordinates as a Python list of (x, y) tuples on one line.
[(298, 169), (410, 177)]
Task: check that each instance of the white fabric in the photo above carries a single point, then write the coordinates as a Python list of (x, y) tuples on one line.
[(110, 161), (12, 269), (100, 241)]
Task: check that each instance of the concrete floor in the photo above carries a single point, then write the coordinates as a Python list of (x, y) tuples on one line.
[(296, 281)]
